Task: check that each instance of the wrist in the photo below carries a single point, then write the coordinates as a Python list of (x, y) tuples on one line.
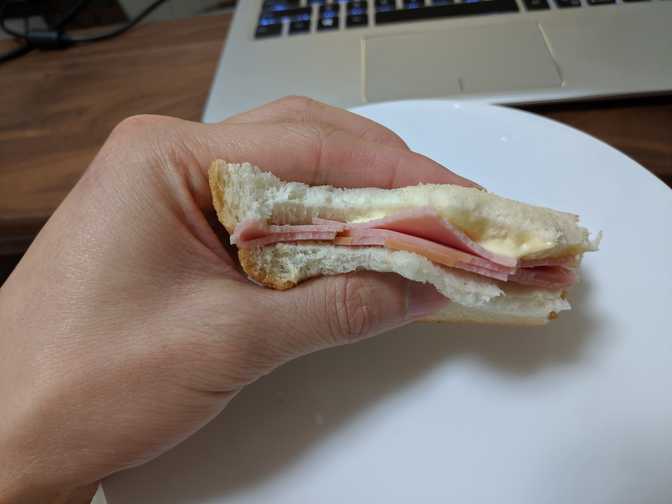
[(14, 488), (18, 486), (43, 496), (23, 477), (14, 479)]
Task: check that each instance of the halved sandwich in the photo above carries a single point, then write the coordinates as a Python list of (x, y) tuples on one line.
[(497, 260)]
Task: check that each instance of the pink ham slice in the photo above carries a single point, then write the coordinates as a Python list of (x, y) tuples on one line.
[(426, 223), (567, 262), (436, 252), (288, 237), (256, 233), (419, 231), (550, 277)]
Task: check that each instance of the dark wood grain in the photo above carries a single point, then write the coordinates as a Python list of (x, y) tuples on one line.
[(57, 109), (7, 264), (96, 13)]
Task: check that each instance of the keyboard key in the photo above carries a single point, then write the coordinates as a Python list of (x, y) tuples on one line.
[(356, 20), (302, 14), (299, 14), (413, 4), (329, 11), (634, 0), (318, 2), (601, 2), (327, 23), (439, 11), (269, 30), (268, 19), (300, 26), (532, 5), (357, 7), (442, 2), (329, 19), (385, 5), (279, 5), (568, 3)]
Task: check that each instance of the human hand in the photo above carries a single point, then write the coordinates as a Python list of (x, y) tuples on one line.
[(127, 325)]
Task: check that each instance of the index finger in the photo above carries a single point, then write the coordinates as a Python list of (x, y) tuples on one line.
[(300, 109), (317, 155)]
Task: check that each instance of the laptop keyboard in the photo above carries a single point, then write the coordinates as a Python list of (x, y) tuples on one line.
[(297, 17)]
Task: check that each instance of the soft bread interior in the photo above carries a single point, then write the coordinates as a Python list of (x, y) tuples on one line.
[(242, 191), (475, 299)]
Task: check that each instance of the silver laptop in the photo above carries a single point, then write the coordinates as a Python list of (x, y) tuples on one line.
[(498, 51)]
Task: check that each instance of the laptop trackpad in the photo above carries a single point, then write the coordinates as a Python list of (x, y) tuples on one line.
[(482, 59)]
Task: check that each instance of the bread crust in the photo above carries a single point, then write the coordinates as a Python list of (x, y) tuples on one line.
[(517, 322), (225, 216), (217, 186), (259, 275)]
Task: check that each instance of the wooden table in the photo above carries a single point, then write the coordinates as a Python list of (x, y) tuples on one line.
[(57, 108)]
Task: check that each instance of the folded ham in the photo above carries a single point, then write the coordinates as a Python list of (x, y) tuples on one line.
[(426, 223), (436, 252), (423, 232), (255, 233)]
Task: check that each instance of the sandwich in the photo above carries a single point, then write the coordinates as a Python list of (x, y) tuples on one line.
[(499, 261)]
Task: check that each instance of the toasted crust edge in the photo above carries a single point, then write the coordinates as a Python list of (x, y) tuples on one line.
[(259, 275), (217, 189), (251, 268)]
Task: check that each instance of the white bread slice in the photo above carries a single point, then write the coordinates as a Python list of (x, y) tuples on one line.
[(507, 227), (242, 191), (475, 298)]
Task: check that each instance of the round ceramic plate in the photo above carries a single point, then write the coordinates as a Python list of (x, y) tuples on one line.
[(577, 411)]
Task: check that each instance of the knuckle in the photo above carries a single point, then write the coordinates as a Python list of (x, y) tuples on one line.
[(159, 138), (351, 318), (139, 122), (297, 102), (381, 134), (132, 126), (137, 144), (302, 107)]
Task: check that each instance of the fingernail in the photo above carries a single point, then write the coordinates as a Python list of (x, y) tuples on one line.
[(423, 300)]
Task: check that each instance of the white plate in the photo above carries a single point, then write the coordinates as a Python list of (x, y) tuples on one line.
[(579, 411)]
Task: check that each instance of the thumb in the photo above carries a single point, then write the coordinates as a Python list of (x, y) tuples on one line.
[(341, 309)]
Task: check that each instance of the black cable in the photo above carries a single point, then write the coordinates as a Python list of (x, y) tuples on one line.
[(104, 36), (56, 38), (41, 38), (69, 16), (16, 53), (72, 14), (3, 24)]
